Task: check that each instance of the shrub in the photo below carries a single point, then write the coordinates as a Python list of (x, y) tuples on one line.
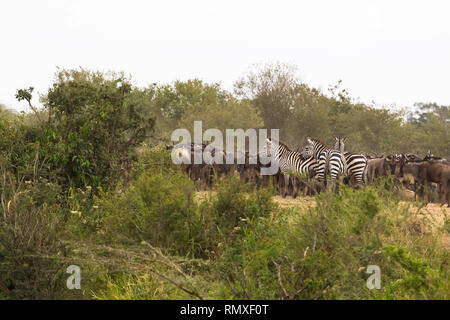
[(415, 276), (224, 216), (156, 158), (31, 251), (157, 207), (93, 127), (323, 252)]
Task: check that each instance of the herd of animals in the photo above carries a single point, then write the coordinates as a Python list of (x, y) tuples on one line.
[(315, 168)]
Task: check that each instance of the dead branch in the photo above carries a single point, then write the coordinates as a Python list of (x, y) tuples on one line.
[(278, 266)]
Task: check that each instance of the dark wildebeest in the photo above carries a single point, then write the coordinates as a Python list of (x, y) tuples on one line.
[(250, 170), (431, 157), (407, 171), (207, 169), (378, 167), (432, 171), (186, 154)]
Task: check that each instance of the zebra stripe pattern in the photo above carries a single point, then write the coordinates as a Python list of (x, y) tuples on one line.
[(330, 160), (356, 163), (290, 161)]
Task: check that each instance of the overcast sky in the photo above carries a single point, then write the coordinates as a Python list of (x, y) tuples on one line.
[(390, 52)]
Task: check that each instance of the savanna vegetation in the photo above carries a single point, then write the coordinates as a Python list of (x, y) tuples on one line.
[(86, 180)]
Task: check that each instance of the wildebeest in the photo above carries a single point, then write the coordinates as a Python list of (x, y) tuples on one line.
[(407, 172), (432, 171), (431, 157), (377, 167)]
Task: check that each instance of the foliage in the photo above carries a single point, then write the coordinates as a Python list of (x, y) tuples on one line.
[(323, 252), (222, 116), (179, 104), (272, 88), (82, 182), (93, 127), (31, 253), (159, 209), (299, 111), (225, 215)]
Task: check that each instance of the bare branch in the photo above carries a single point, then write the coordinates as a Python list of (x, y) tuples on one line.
[(278, 266)]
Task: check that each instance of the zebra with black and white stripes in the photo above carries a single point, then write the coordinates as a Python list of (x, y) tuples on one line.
[(356, 163), (290, 161), (329, 160)]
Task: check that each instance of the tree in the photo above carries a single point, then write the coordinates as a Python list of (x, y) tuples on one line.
[(169, 103), (425, 110), (5, 113), (431, 124), (232, 114), (309, 117), (271, 88), (93, 126)]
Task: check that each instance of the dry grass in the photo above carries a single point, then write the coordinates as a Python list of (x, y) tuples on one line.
[(434, 211), (200, 196), (433, 215), (301, 202)]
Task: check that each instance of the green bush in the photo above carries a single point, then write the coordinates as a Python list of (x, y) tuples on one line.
[(92, 127), (323, 252), (157, 207), (225, 214), (415, 276), (32, 255), (235, 201), (156, 158)]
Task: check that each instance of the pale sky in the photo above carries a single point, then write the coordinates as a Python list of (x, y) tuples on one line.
[(390, 52)]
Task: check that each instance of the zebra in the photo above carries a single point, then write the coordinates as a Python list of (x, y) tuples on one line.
[(290, 161), (356, 163), (330, 160)]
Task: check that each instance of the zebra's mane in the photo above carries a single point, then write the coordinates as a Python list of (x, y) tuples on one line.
[(319, 141), (280, 142), (284, 144)]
